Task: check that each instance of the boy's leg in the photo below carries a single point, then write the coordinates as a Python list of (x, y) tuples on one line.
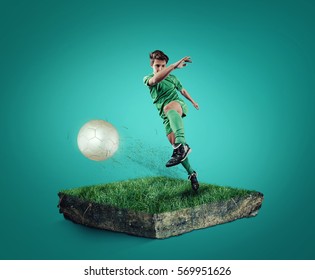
[(192, 175), (173, 112), (177, 126), (187, 166)]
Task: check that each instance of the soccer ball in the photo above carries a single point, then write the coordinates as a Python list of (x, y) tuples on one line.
[(98, 140)]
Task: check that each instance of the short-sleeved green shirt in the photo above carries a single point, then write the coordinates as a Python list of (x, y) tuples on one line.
[(163, 93)]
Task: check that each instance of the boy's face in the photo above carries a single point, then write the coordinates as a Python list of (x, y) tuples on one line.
[(158, 65)]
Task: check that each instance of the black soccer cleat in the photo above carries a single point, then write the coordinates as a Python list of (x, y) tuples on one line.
[(194, 182), (180, 153)]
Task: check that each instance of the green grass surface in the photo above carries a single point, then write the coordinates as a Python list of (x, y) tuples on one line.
[(155, 194)]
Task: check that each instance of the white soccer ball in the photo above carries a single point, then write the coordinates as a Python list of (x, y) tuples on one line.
[(98, 140)]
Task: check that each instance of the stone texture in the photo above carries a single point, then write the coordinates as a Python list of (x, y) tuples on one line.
[(161, 225)]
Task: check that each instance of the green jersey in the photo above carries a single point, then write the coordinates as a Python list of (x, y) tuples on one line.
[(164, 92)]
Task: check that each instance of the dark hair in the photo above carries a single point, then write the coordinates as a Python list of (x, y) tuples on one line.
[(158, 55)]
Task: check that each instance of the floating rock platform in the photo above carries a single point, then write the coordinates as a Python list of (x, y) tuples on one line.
[(159, 225)]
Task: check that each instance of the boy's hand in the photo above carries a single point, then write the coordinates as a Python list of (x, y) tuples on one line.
[(182, 63), (196, 105)]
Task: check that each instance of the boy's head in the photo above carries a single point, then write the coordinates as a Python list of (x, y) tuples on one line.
[(158, 60), (159, 55)]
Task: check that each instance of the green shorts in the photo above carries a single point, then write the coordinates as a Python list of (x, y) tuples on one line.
[(166, 121)]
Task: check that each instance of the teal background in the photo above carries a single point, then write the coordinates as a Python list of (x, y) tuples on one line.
[(64, 63)]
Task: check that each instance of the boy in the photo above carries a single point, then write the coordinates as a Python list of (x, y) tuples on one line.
[(164, 89)]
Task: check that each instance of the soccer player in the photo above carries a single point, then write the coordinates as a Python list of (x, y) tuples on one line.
[(164, 88)]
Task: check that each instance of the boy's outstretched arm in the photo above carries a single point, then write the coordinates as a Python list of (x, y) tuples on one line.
[(161, 75), (185, 93)]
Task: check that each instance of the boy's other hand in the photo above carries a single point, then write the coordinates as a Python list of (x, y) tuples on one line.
[(196, 105)]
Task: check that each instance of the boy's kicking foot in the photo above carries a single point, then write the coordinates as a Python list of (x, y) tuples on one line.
[(180, 153)]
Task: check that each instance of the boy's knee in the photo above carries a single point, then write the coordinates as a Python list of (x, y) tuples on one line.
[(173, 107), (167, 108), (171, 112)]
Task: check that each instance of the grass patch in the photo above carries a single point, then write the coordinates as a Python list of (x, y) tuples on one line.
[(155, 194)]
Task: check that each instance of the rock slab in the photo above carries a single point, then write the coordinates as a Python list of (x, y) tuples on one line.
[(162, 225)]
